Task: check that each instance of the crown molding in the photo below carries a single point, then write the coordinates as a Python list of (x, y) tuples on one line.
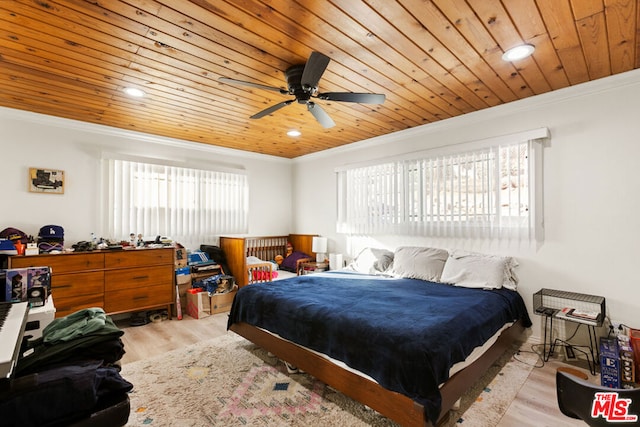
[(615, 82), (44, 119)]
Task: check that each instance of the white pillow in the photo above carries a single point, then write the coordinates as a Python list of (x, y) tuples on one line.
[(419, 263), (372, 261), (475, 270)]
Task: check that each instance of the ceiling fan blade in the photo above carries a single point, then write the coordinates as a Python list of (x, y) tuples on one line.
[(313, 70), (321, 116), (362, 98), (271, 109), (256, 85)]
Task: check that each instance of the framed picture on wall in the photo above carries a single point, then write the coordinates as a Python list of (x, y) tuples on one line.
[(46, 181)]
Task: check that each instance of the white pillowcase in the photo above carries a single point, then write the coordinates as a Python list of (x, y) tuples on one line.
[(419, 263), (255, 260), (372, 261), (475, 270)]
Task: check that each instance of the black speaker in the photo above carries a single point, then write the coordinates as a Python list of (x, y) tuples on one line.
[(36, 296)]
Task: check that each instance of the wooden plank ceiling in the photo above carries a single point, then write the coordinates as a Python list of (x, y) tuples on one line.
[(432, 59)]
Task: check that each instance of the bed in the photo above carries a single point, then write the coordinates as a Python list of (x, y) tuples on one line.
[(238, 249), (388, 342)]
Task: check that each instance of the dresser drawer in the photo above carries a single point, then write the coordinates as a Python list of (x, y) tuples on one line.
[(62, 263), (68, 305), (68, 285), (120, 300), (139, 258), (134, 278)]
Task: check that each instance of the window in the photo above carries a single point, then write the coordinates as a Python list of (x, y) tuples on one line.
[(473, 190), (191, 206)]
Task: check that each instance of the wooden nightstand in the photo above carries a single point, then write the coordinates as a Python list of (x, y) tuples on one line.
[(310, 267)]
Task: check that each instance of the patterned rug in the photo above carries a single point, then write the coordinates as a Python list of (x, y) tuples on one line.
[(228, 381)]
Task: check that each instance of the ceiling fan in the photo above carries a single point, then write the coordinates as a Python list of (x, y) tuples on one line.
[(302, 82)]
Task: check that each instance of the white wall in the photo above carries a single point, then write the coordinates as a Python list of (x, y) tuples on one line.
[(591, 191), (34, 140)]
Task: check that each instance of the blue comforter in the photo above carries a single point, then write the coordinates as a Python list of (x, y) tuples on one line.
[(404, 333)]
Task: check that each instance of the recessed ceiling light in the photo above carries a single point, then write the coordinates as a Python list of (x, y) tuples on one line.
[(134, 91), (294, 132), (518, 52)]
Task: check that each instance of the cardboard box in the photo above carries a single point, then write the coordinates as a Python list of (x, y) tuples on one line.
[(20, 283), (221, 303), (198, 305), (32, 249), (183, 276), (609, 363), (181, 258), (38, 286), (16, 284), (197, 257)]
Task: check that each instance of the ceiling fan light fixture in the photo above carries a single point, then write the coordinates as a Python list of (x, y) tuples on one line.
[(518, 52), (134, 91), (302, 81), (294, 133)]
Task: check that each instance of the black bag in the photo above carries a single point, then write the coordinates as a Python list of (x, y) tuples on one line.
[(217, 255)]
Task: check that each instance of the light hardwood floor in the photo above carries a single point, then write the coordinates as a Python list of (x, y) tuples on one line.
[(535, 404), (142, 342)]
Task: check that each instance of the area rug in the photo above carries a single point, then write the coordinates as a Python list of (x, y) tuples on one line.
[(228, 381)]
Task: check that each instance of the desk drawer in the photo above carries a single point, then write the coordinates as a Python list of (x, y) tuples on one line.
[(137, 299), (135, 278), (70, 285)]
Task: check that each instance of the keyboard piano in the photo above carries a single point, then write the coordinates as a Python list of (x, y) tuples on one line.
[(13, 320)]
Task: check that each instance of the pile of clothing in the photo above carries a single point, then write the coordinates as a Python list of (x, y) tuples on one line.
[(68, 374)]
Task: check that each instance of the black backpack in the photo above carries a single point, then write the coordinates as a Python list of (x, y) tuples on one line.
[(217, 255)]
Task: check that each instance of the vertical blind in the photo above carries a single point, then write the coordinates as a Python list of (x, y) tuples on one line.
[(192, 206), (475, 192)]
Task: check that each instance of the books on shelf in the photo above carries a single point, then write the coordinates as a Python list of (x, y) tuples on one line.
[(578, 314)]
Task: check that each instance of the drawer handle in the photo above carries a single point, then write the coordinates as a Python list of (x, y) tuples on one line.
[(140, 277), (68, 285), (140, 297)]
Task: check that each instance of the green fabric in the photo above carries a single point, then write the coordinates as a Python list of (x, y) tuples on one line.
[(81, 323), (46, 354)]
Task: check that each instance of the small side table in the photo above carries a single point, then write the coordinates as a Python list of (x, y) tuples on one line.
[(551, 304), (311, 267)]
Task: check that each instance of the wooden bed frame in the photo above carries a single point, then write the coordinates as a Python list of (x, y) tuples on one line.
[(238, 248), (393, 405)]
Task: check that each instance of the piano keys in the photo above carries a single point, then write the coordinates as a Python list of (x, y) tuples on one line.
[(13, 320)]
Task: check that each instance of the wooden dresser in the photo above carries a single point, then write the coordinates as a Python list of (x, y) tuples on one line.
[(117, 281)]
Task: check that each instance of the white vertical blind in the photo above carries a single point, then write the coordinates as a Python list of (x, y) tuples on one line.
[(482, 190), (192, 206)]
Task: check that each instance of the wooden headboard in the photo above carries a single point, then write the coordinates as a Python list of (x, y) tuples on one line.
[(237, 249)]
